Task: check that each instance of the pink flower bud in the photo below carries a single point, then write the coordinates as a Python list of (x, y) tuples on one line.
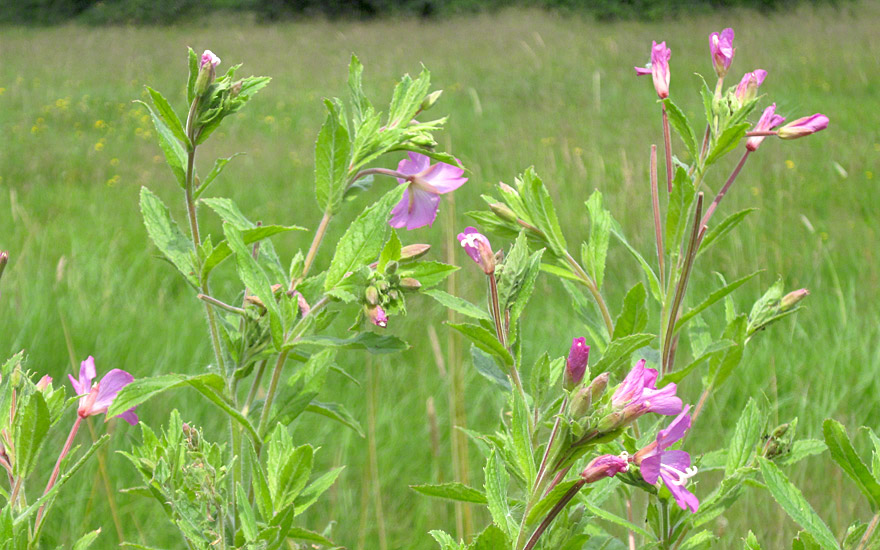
[(792, 298), (207, 65), (208, 57), (377, 316), (769, 120), (604, 466), (44, 383), (478, 248), (4, 259), (747, 89), (576, 364), (804, 126), (721, 47), (658, 68)]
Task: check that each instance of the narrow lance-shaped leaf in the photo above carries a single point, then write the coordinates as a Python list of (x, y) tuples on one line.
[(682, 126), (167, 236), (332, 151), (452, 491), (745, 438), (175, 155), (496, 480), (849, 461)]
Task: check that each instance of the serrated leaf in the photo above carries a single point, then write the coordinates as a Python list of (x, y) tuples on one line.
[(315, 489), (751, 542), (843, 453), (300, 533), (168, 116), (248, 236), (596, 250), (485, 365), (496, 480), (167, 236), (428, 273), (520, 428), (30, 431), (745, 438), (795, 505), (86, 540), (618, 352), (452, 491), (682, 126), (484, 340), (337, 412), (247, 519), (364, 239), (680, 201), (633, 316), (458, 304), (727, 142), (175, 155), (726, 226), (332, 150), (801, 449), (543, 507), (608, 516), (391, 252), (537, 202), (703, 539), (492, 538)]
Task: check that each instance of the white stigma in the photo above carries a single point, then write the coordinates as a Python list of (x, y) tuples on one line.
[(681, 478), (471, 239)]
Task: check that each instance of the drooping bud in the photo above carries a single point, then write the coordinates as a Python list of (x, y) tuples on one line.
[(413, 251), (304, 307), (376, 315), (804, 126), (792, 298), (478, 248), (207, 67), (503, 211), (372, 295), (721, 47), (769, 120), (576, 363), (430, 100), (604, 466), (44, 382), (408, 283)]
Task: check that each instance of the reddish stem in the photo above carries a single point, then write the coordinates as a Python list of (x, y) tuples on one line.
[(57, 469), (667, 141), (655, 203), (705, 221)]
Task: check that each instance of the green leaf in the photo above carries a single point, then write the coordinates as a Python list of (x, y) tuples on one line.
[(608, 516), (332, 151), (315, 489), (458, 304), (745, 438), (293, 475), (543, 507), (596, 250), (682, 126), (717, 232), (451, 491), (486, 365), (262, 495), (795, 505), (168, 116), (301, 533), (337, 412), (703, 539), (428, 273), (391, 252), (248, 236), (805, 541), (30, 431), (801, 449), (175, 155), (219, 165), (680, 201), (618, 352), (496, 480), (712, 298), (727, 142), (751, 542), (193, 62), (210, 385), (360, 105), (484, 340), (167, 236), (539, 206), (492, 538), (843, 453), (246, 515), (367, 341), (364, 239), (633, 316), (86, 540), (653, 281), (520, 428), (407, 98), (712, 350)]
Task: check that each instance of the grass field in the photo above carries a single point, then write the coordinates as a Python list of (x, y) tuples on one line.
[(522, 88)]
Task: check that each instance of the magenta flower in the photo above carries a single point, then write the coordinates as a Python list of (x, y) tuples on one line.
[(576, 363), (769, 120), (96, 399), (638, 395), (604, 466), (658, 68), (804, 126), (673, 467), (427, 182), (721, 47), (478, 248), (377, 316), (208, 57), (747, 89)]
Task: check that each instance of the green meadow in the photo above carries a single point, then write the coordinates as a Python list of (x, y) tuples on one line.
[(521, 88)]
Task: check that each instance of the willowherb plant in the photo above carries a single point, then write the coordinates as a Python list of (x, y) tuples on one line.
[(599, 430)]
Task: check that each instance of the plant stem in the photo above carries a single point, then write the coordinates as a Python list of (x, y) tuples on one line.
[(724, 189), (375, 483), (558, 507), (255, 387), (700, 404), (102, 469), (542, 470), (664, 524), (222, 305), (55, 471), (594, 290), (313, 249), (655, 203), (667, 142), (500, 333), (631, 537), (868, 532)]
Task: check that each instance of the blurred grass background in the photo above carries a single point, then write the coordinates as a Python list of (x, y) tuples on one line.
[(522, 88)]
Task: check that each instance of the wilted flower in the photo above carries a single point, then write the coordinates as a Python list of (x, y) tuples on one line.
[(804, 126), (478, 248), (576, 363), (721, 47), (658, 68), (673, 467), (747, 89), (638, 395), (96, 399), (377, 316), (604, 466), (769, 120), (426, 182)]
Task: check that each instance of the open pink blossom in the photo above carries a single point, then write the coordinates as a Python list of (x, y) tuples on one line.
[(804, 126), (658, 68), (638, 395), (426, 182), (478, 248), (673, 467), (747, 89), (721, 47), (96, 399), (769, 120)]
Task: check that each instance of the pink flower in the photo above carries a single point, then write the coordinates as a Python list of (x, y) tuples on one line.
[(96, 399), (747, 89), (478, 248), (604, 466), (427, 182), (673, 467), (658, 68), (44, 382), (769, 120), (804, 126), (377, 316), (721, 47), (208, 57), (638, 395), (576, 363)]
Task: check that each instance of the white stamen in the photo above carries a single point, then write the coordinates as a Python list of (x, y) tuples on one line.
[(681, 478), (624, 456), (471, 239)]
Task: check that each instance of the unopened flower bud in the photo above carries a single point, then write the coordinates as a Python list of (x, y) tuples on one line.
[(430, 100), (423, 141), (376, 315), (506, 188), (580, 404), (391, 267), (610, 422), (604, 466), (413, 251), (44, 382), (792, 298), (235, 89), (503, 211), (207, 67), (721, 47), (804, 126), (576, 363), (4, 259), (597, 386), (408, 283), (372, 295), (747, 89), (478, 248)]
